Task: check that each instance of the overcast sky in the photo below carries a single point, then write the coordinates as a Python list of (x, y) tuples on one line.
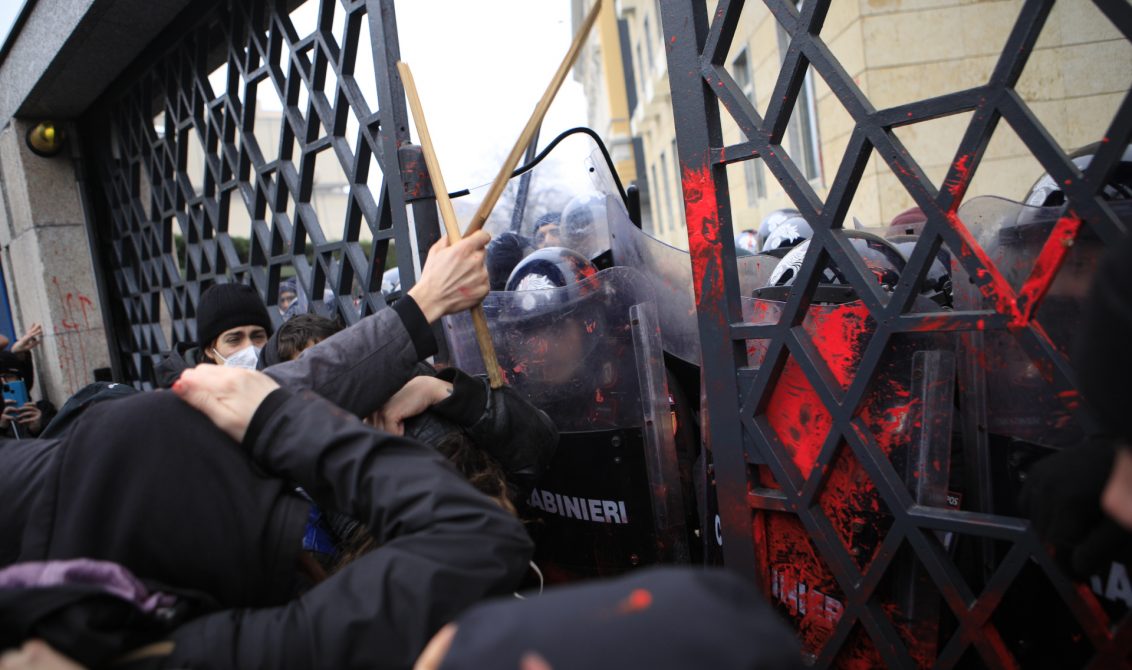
[(9, 9), (480, 69)]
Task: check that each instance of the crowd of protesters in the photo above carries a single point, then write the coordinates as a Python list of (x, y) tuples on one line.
[(322, 497)]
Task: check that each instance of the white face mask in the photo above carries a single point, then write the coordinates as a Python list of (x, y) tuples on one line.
[(246, 358)]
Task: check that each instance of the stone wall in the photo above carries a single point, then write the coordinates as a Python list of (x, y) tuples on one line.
[(46, 257)]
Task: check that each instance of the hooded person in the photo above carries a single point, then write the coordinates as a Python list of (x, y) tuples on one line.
[(291, 300), (547, 232), (254, 595), (232, 328), (503, 253)]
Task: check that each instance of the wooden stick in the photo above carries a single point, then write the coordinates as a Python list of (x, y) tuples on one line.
[(448, 214), (533, 124)]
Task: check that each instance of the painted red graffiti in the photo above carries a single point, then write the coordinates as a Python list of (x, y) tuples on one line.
[(75, 363), (1049, 261), (702, 213)]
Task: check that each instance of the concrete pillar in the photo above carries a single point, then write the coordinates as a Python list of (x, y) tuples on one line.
[(45, 252)]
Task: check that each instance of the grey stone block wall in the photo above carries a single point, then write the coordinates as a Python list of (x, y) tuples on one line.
[(47, 265)]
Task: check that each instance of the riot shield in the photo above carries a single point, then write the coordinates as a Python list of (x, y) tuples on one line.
[(589, 355), (668, 271), (1020, 401), (908, 413), (571, 188)]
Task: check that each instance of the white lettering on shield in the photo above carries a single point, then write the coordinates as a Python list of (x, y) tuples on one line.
[(584, 509)]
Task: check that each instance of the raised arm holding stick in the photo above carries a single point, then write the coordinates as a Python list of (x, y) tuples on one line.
[(448, 214), (483, 336)]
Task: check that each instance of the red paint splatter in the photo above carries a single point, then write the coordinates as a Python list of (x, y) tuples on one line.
[(839, 335), (701, 210), (637, 601), (1049, 261), (957, 184), (795, 411), (993, 285)]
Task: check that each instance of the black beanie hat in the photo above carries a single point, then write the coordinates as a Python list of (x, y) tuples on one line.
[(503, 254), (226, 306), (19, 364)]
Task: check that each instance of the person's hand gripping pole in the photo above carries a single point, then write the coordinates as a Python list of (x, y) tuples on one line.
[(448, 214)]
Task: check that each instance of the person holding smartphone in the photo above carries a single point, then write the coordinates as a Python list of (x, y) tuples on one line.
[(22, 418)]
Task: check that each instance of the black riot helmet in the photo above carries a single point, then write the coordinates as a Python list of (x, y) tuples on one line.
[(937, 282), (1046, 192), (881, 257), (552, 267), (554, 320), (788, 233)]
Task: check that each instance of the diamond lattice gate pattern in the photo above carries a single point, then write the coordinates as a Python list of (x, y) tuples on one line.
[(839, 428), (258, 139)]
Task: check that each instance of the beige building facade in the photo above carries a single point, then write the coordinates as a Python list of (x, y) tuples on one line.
[(897, 51)]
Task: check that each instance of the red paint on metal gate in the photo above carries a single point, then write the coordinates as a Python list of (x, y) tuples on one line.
[(958, 183), (701, 211), (1049, 261)]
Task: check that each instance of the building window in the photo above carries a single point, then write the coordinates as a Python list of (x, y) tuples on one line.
[(752, 169), (646, 37), (658, 222), (667, 192), (802, 131), (644, 85), (678, 220)]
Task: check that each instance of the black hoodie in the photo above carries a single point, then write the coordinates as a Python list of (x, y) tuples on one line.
[(151, 484)]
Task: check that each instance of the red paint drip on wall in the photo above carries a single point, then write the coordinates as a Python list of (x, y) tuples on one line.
[(1049, 261)]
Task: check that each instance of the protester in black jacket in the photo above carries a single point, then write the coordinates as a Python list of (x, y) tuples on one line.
[(449, 409), (151, 484)]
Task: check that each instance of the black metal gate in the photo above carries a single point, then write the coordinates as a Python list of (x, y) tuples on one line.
[(178, 155), (143, 134), (754, 471)]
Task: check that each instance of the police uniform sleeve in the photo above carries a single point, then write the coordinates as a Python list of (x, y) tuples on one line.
[(505, 424), (442, 546)]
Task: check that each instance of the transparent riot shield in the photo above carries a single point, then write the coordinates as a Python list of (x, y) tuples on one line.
[(564, 200), (668, 271), (589, 355), (1026, 417), (908, 413), (1021, 403)]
